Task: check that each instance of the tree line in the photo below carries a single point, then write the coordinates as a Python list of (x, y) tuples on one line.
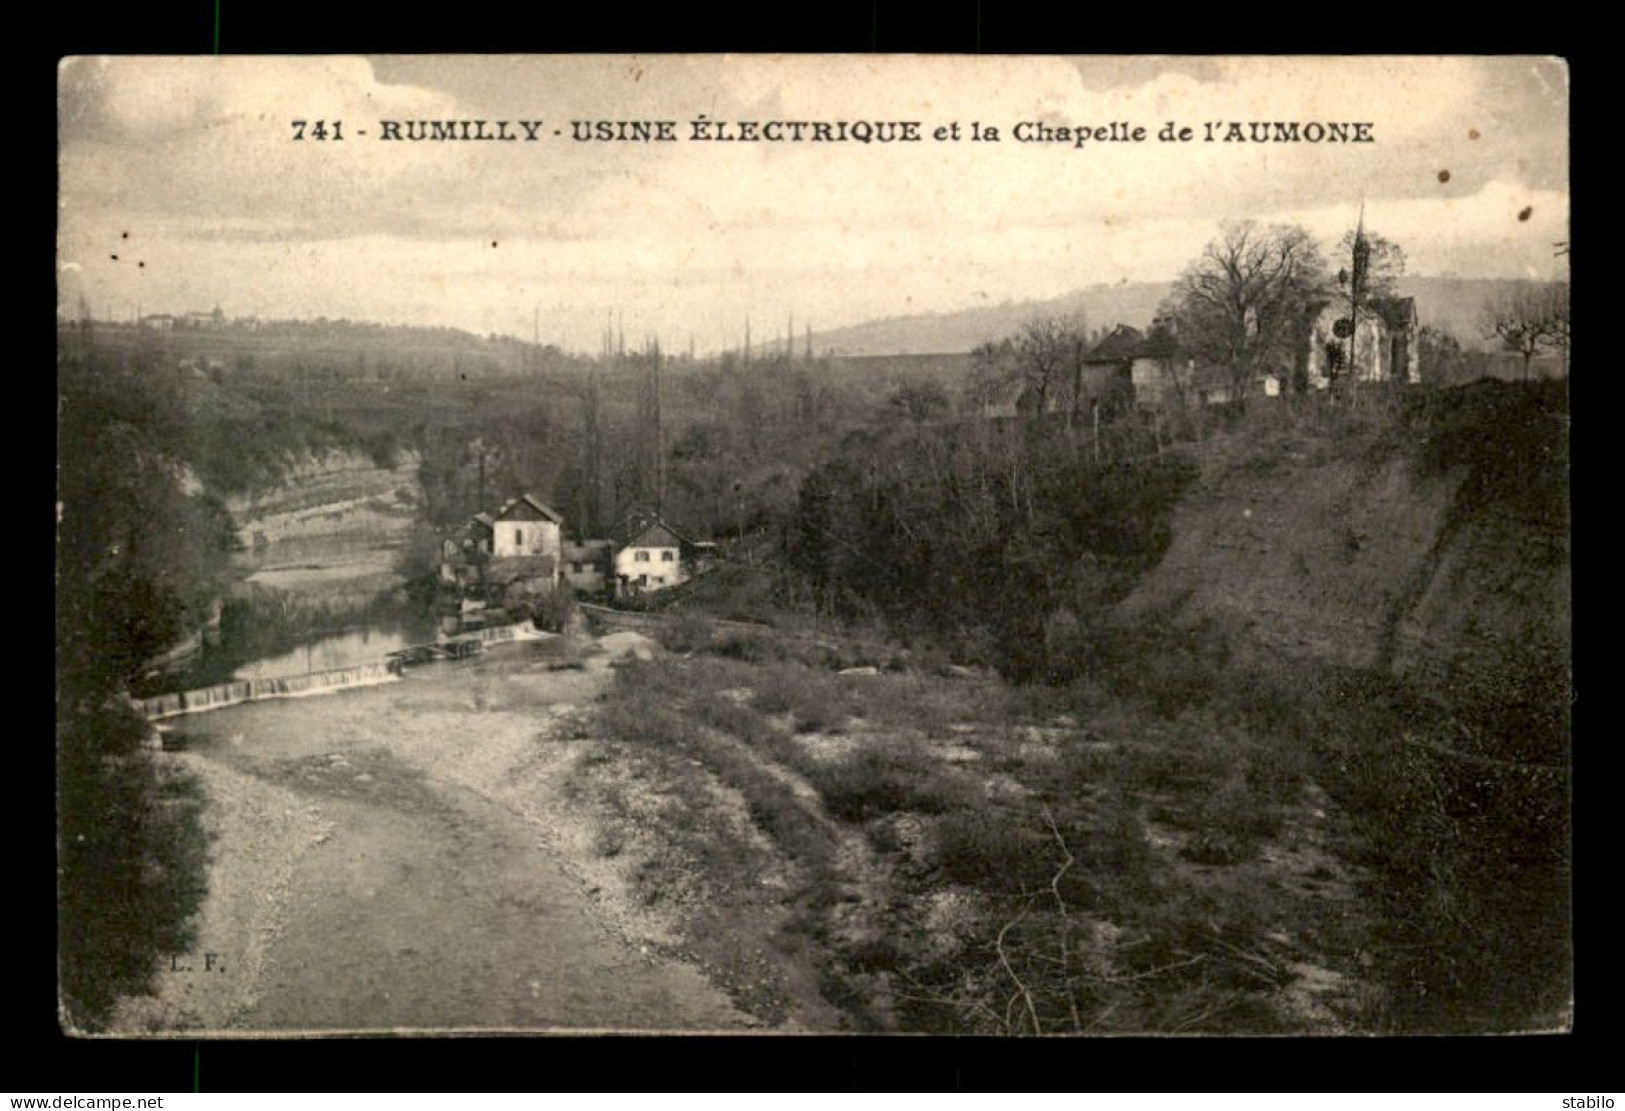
[(138, 560)]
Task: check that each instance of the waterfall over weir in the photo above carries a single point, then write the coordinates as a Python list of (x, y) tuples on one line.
[(242, 690), (316, 682)]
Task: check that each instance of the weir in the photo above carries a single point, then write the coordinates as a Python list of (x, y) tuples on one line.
[(239, 691), (242, 690)]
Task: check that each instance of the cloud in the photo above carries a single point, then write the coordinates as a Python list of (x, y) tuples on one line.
[(193, 158)]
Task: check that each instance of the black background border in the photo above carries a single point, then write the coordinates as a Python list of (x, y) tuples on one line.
[(41, 1060)]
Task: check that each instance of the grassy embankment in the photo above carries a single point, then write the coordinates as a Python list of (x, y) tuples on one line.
[(1182, 835), (965, 855)]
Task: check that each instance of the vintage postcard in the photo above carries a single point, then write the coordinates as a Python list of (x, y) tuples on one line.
[(813, 544)]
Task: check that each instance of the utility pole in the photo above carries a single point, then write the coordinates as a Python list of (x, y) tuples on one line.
[(590, 480), (660, 442)]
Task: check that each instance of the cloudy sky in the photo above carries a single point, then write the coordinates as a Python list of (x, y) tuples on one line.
[(186, 171)]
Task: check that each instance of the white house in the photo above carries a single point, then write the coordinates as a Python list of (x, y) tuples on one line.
[(517, 547), (519, 550), (648, 556), (526, 527)]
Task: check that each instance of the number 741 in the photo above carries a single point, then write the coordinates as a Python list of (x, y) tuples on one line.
[(320, 130)]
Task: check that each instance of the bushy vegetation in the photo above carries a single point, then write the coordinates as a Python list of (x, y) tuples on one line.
[(975, 536), (138, 560), (1467, 841), (132, 857), (1123, 878)]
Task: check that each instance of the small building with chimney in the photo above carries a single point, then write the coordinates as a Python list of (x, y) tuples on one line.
[(515, 549)]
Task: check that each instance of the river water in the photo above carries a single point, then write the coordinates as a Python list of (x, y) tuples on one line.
[(407, 857), (329, 653), (237, 661)]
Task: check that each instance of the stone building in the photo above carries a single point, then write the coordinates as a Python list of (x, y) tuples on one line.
[(1385, 347)]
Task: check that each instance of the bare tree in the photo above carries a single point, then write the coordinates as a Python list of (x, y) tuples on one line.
[(1044, 361), (1378, 261), (1560, 321), (1529, 318), (920, 401), (1242, 302), (1078, 346), (992, 371), (1043, 350)]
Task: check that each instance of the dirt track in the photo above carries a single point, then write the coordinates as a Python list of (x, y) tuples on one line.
[(422, 870)]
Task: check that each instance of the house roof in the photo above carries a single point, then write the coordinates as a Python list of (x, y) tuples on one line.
[(1160, 344), (528, 508), (1396, 312), (655, 535), (644, 528), (1119, 346), (511, 569)]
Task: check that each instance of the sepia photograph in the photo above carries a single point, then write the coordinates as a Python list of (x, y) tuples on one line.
[(813, 544)]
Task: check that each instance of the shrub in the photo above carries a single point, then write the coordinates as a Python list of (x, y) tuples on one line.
[(737, 644), (812, 698), (994, 852), (877, 782), (554, 610), (639, 716), (745, 724), (687, 633), (133, 861)]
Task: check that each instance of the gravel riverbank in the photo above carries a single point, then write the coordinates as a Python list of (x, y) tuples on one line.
[(402, 858)]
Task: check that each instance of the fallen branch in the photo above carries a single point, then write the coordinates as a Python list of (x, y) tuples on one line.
[(1021, 987), (1437, 749), (1066, 922), (1151, 972)]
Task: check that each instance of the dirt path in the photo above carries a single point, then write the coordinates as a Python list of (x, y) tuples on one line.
[(438, 891)]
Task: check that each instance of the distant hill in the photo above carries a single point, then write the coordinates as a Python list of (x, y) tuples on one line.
[(1451, 304), (355, 349), (932, 333)]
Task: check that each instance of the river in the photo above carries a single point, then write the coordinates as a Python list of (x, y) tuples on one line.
[(338, 650), (407, 857), (249, 657)]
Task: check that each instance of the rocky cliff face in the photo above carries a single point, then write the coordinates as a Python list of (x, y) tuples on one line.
[(1363, 555), (332, 530)]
